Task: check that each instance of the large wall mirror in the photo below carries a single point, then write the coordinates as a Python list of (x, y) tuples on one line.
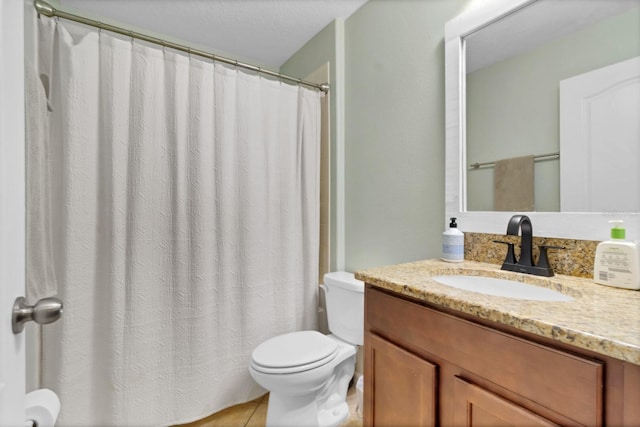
[(542, 115)]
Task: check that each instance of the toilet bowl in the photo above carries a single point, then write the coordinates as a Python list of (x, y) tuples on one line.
[(308, 373)]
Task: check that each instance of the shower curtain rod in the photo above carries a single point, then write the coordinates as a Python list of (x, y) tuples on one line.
[(44, 8)]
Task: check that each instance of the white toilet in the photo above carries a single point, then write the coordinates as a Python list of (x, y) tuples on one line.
[(308, 373)]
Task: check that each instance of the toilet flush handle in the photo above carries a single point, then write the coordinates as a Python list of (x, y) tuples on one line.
[(324, 287)]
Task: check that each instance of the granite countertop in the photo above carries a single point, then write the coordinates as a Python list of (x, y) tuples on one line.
[(602, 319)]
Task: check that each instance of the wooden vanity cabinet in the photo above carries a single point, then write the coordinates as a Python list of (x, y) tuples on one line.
[(476, 406), (426, 367), (405, 385)]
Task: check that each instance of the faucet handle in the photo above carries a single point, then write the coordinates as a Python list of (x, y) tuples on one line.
[(511, 255), (543, 260)]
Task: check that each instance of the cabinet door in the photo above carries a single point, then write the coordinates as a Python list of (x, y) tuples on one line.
[(400, 388), (477, 407)]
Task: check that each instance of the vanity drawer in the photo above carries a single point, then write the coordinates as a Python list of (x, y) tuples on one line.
[(565, 383)]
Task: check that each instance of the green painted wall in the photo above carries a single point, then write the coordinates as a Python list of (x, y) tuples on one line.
[(394, 126), (395, 138)]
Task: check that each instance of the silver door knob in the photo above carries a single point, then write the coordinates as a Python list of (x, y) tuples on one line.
[(47, 310)]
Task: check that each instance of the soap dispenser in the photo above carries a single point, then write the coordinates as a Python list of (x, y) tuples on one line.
[(453, 243), (617, 260)]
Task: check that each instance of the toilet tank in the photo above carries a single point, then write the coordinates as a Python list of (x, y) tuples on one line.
[(344, 295)]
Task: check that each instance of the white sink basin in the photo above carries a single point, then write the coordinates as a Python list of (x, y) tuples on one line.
[(501, 288)]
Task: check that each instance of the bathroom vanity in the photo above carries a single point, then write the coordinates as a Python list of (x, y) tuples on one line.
[(438, 355)]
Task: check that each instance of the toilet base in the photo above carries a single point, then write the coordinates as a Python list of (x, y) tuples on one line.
[(335, 416), (302, 411), (299, 410)]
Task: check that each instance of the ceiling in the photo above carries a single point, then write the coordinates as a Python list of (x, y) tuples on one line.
[(261, 32), (535, 25)]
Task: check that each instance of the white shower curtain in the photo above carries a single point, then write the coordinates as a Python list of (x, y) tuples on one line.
[(186, 217)]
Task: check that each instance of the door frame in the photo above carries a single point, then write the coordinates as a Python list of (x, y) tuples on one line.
[(12, 209)]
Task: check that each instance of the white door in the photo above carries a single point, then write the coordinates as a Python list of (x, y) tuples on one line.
[(12, 210), (600, 140)]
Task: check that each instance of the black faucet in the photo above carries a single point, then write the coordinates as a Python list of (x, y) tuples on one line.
[(521, 224), (517, 223)]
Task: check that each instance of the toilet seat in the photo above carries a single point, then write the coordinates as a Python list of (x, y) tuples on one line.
[(294, 352)]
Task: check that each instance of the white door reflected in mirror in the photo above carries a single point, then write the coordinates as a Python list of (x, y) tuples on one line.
[(599, 135)]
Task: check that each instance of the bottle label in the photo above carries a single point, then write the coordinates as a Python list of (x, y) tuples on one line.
[(614, 268), (453, 248)]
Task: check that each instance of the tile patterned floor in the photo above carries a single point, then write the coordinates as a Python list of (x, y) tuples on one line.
[(254, 414)]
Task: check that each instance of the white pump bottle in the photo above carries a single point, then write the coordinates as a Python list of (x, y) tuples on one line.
[(453, 243)]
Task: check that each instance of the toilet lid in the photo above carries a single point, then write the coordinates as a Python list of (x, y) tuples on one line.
[(294, 352)]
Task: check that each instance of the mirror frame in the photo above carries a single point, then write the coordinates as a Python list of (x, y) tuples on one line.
[(566, 225)]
